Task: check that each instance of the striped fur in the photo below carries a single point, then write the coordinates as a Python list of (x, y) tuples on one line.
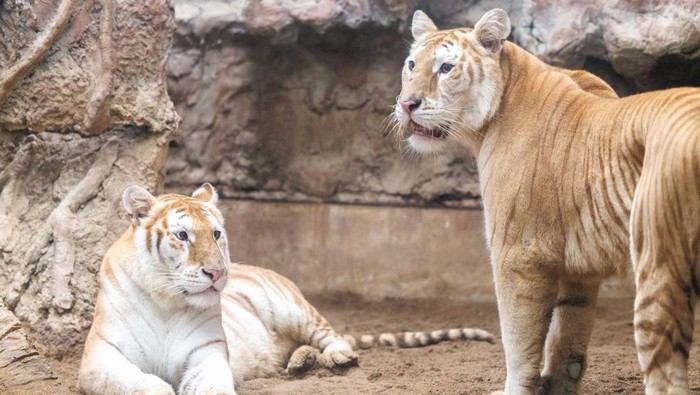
[(270, 326), (577, 185), (157, 324), (422, 339)]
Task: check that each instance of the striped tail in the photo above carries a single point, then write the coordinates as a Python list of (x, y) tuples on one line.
[(419, 339)]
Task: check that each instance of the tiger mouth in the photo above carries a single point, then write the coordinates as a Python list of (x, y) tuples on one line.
[(420, 130), (206, 291)]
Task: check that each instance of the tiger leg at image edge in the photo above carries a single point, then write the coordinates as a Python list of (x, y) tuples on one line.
[(665, 249)]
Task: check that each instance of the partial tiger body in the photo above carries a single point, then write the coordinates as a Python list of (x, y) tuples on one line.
[(158, 345), (422, 339), (271, 327), (157, 325), (266, 318), (577, 185)]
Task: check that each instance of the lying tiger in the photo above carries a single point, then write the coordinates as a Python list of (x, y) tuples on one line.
[(577, 185), (166, 289)]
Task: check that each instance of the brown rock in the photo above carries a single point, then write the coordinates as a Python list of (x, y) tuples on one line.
[(20, 363), (84, 112)]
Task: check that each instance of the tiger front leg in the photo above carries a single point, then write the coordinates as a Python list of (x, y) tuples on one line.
[(105, 370), (568, 337), (526, 291), (208, 372)]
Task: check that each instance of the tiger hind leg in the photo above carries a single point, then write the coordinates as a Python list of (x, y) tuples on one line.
[(338, 355), (663, 329), (664, 235), (302, 360)]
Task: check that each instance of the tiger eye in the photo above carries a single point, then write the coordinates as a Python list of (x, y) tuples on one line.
[(411, 65), (446, 68), (181, 235)]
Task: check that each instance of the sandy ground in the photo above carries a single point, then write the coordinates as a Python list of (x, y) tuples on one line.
[(447, 368)]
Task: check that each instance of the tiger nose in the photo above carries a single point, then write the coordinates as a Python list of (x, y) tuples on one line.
[(213, 274), (410, 105)]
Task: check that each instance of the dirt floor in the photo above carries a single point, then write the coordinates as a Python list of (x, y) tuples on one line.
[(447, 368)]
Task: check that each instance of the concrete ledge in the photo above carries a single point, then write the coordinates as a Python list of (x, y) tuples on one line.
[(376, 252)]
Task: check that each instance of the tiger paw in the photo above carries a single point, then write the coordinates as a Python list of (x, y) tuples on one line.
[(154, 385), (303, 359), (214, 391), (338, 359)]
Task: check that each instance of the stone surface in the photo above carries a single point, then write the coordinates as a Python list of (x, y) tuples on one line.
[(80, 68), (63, 204), (284, 100), (376, 252), (20, 363), (84, 112), (650, 45)]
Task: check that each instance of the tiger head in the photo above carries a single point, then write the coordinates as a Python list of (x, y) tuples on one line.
[(452, 82), (181, 245)]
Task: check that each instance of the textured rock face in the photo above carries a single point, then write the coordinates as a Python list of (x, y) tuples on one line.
[(284, 100), (291, 107), (651, 45), (20, 363), (83, 113), (103, 69)]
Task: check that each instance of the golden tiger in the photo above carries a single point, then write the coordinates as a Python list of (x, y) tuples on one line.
[(172, 312), (577, 185)]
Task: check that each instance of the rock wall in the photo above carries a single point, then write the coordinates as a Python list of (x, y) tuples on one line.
[(287, 104), (285, 100), (83, 113), (20, 363)]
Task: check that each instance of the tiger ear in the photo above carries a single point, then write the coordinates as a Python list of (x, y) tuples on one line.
[(422, 25), (137, 203), (206, 193), (492, 29)]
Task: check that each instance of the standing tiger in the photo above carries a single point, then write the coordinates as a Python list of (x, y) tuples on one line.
[(577, 185), (173, 313)]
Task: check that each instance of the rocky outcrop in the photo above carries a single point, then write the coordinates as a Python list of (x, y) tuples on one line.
[(83, 113), (285, 100), (287, 103), (649, 45), (20, 363)]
